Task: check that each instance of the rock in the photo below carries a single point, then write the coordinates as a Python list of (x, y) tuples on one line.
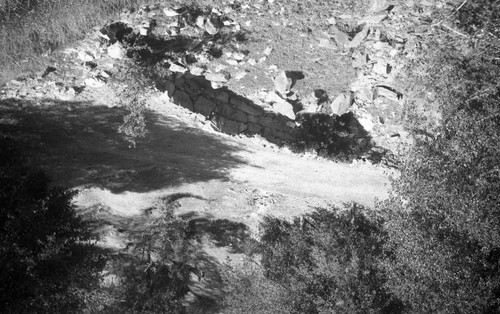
[(379, 45), (242, 127), (239, 116), (177, 68), (114, 31), (268, 51), (85, 56), (342, 103), (253, 128), (196, 71), (116, 51), (387, 92), (144, 31), (285, 109), (216, 85), (272, 97), (239, 75), (359, 59), (378, 16), (93, 82), (253, 119), (169, 88), (216, 77), (364, 94), (180, 80), (182, 99), (356, 41), (200, 21), (239, 56), (378, 5), (245, 106), (382, 67), (11, 94), (222, 97), (204, 106), (366, 123), (66, 94), (361, 82), (270, 121), (228, 126), (340, 37), (23, 92), (326, 43), (282, 83), (170, 12), (210, 27)]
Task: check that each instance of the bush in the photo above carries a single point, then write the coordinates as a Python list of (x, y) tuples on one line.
[(155, 278), (46, 257), (325, 262), (443, 217)]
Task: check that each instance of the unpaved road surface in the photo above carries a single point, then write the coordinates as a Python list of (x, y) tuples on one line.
[(234, 178), (230, 182)]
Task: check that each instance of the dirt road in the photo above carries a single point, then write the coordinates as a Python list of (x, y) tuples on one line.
[(234, 178)]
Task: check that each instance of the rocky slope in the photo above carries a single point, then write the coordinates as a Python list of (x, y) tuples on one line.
[(224, 94), (218, 63)]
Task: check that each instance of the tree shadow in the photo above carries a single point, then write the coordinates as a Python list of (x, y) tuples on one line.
[(78, 144)]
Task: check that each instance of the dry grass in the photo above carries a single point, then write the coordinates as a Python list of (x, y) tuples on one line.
[(31, 29)]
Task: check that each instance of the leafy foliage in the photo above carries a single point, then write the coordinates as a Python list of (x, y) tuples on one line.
[(326, 262), (443, 218), (154, 279), (249, 291), (46, 257)]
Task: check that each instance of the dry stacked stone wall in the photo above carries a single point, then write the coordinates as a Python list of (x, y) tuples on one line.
[(229, 112)]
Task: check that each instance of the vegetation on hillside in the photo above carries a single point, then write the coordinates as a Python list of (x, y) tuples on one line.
[(432, 247), (324, 262), (31, 30), (435, 247), (442, 219), (47, 257)]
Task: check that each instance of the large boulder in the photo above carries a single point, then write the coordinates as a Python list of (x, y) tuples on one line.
[(342, 103)]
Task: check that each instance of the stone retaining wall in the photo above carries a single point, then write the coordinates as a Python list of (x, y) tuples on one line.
[(230, 113)]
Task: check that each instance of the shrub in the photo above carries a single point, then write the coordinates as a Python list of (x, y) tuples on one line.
[(46, 257), (155, 278), (324, 262), (442, 219)]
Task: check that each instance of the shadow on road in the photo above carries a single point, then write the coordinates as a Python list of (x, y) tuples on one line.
[(78, 144)]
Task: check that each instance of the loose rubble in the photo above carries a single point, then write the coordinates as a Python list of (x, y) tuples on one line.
[(199, 70)]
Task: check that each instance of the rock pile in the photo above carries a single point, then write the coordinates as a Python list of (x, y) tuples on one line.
[(184, 41)]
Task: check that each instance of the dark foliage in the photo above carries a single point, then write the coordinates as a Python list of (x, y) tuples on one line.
[(324, 262), (47, 261), (443, 219), (155, 278)]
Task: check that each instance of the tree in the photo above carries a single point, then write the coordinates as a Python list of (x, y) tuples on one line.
[(46, 259), (155, 277), (324, 262), (442, 220)]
